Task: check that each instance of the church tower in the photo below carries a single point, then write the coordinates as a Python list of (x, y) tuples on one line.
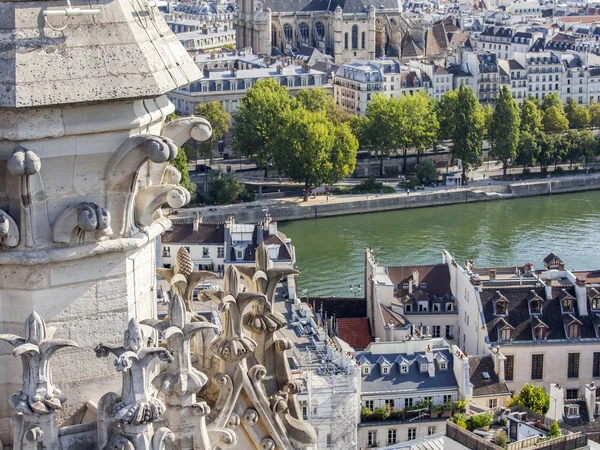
[(253, 27), (84, 170)]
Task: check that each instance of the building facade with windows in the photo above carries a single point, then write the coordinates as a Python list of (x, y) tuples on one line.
[(213, 246)]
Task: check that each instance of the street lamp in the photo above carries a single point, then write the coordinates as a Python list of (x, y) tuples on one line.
[(355, 289)]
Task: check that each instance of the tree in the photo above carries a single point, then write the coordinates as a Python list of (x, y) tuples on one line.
[(589, 146), (259, 119), (219, 121), (427, 173), (532, 397), (504, 132), (547, 145), (382, 129), (181, 164), (488, 114), (226, 189), (422, 121), (594, 110), (531, 117), (315, 100), (554, 120), (578, 116), (554, 430), (446, 108), (573, 147), (467, 130), (527, 150), (312, 150), (552, 100)]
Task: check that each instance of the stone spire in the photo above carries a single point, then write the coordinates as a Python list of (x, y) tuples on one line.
[(84, 171)]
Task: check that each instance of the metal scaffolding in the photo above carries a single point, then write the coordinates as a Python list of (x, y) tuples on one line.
[(333, 394)]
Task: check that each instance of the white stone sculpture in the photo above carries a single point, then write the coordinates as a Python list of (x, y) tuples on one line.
[(34, 424), (9, 231), (126, 421), (86, 217)]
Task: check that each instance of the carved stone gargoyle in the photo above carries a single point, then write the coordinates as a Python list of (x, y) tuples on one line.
[(35, 424), (179, 381), (126, 421)]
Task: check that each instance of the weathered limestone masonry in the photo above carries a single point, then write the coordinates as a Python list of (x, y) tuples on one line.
[(84, 170)]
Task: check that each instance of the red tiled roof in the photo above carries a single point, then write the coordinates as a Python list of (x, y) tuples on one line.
[(355, 332), (183, 233)]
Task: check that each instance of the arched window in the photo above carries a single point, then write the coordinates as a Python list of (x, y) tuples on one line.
[(274, 36), (287, 32), (354, 36), (303, 31), (346, 41), (363, 40), (320, 30)]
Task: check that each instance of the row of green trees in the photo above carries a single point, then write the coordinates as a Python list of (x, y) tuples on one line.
[(307, 137)]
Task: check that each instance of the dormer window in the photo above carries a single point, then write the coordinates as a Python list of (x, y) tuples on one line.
[(449, 307), (596, 303), (423, 367), (572, 411), (436, 307), (404, 368), (535, 306), (567, 305), (408, 307), (366, 370), (574, 331), (404, 285), (500, 304), (505, 334), (423, 285), (385, 370), (443, 365)]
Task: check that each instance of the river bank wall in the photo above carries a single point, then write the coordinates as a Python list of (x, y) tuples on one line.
[(285, 211)]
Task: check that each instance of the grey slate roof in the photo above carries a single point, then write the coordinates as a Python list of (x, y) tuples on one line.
[(411, 381), (485, 386)]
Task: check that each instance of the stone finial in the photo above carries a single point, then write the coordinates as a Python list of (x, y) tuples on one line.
[(183, 279), (38, 394), (129, 418), (38, 398), (9, 231)]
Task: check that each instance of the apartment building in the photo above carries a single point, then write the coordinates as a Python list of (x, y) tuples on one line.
[(544, 72), (355, 84)]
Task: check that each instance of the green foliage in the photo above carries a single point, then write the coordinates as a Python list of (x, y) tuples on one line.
[(531, 117), (460, 420), (488, 114), (532, 397), (171, 117), (316, 100), (421, 123), (589, 146), (594, 110), (226, 189), (181, 164), (528, 149), (228, 47), (501, 439), (554, 120), (365, 412), (578, 116), (480, 421), (219, 121), (554, 430), (446, 108), (313, 150), (504, 131), (381, 413), (551, 100), (372, 186), (260, 118), (460, 405), (426, 173), (467, 130)]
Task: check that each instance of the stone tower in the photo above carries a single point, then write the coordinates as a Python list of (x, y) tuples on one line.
[(84, 169), (253, 27)]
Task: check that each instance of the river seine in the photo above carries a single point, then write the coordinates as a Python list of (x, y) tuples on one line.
[(330, 253)]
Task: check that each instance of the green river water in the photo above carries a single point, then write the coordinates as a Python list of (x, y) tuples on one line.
[(330, 253)]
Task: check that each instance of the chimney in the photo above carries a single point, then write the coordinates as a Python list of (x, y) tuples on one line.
[(590, 400), (415, 277), (213, 56), (233, 72), (279, 69), (206, 72), (430, 364), (581, 296), (272, 227), (204, 29), (548, 288), (557, 403), (410, 286), (492, 274), (197, 222), (391, 330)]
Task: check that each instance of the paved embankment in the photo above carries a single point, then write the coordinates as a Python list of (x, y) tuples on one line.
[(286, 209)]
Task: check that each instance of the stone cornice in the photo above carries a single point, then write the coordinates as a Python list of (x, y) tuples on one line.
[(57, 255)]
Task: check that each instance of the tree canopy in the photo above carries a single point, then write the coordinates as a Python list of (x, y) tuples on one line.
[(554, 120), (504, 132), (259, 119), (219, 121), (532, 397), (468, 126), (578, 116)]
